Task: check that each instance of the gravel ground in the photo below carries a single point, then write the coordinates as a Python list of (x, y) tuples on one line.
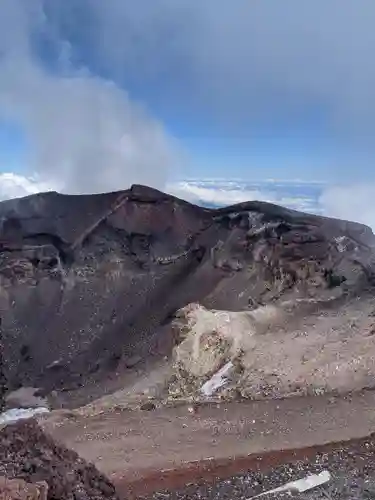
[(352, 469)]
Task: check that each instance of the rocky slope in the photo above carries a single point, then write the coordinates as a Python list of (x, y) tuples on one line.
[(90, 285), (30, 455)]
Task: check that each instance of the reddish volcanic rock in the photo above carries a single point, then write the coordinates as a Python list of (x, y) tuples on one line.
[(27, 453)]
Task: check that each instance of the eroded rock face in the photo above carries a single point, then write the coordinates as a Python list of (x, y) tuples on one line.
[(300, 347), (28, 454), (88, 282)]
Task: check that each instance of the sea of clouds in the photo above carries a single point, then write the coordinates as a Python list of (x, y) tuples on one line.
[(350, 202)]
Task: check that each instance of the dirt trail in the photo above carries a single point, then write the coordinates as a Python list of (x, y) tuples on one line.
[(131, 446)]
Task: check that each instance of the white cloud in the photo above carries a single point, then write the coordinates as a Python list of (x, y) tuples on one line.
[(84, 133), (15, 186), (354, 202), (234, 61), (243, 59)]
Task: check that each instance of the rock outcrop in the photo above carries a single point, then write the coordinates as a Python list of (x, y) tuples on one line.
[(28, 454), (88, 283), (301, 347)]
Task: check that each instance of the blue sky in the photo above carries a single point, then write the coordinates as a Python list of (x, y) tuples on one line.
[(96, 95), (295, 148)]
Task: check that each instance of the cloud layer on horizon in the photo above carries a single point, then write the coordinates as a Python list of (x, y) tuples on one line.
[(354, 202)]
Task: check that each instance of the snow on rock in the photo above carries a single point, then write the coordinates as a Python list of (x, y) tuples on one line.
[(20, 413), (218, 380)]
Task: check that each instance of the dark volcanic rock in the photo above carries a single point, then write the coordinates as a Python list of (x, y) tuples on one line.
[(27, 453), (3, 380), (89, 281)]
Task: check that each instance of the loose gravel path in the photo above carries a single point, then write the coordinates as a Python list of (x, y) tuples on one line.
[(167, 448)]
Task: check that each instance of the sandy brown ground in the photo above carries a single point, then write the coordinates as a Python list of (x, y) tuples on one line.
[(143, 451)]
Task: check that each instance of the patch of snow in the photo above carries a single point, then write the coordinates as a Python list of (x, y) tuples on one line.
[(218, 380), (340, 240), (20, 413)]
